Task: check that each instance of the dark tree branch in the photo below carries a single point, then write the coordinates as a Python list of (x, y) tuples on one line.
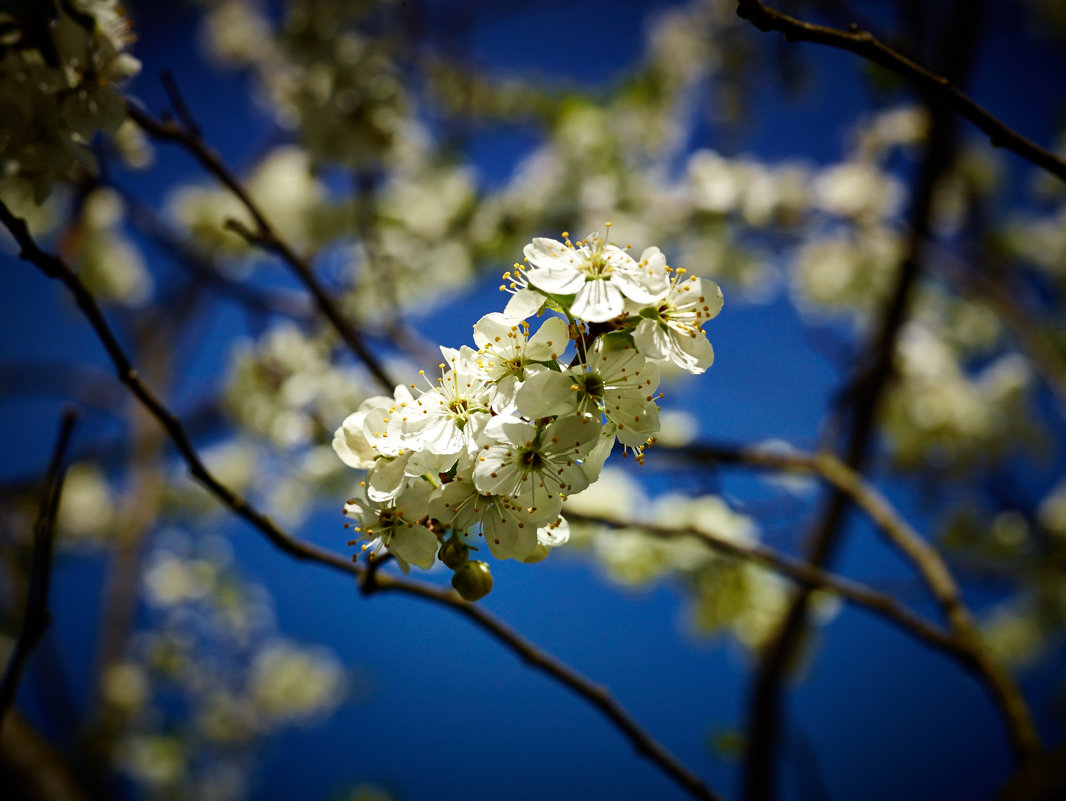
[(868, 389), (264, 235), (800, 572), (965, 641), (31, 770), (864, 44), (598, 696), (202, 266), (36, 618), (177, 102), (646, 745)]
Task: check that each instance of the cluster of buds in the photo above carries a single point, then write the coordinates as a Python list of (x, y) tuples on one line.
[(490, 451)]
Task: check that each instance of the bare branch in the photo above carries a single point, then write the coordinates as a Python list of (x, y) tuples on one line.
[(864, 44), (177, 102), (938, 579), (646, 745), (864, 399), (593, 694), (265, 234), (35, 771), (965, 642), (36, 618), (879, 603)]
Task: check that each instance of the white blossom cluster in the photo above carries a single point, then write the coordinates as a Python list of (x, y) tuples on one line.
[(59, 66), (510, 429)]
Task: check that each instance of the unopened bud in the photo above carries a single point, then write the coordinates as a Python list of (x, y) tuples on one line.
[(473, 581), (454, 553)]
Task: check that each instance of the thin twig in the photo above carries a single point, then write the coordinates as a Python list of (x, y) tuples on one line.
[(36, 619), (927, 561), (877, 602), (865, 397), (646, 745), (177, 102), (596, 695), (198, 262), (933, 570), (864, 44), (265, 235)]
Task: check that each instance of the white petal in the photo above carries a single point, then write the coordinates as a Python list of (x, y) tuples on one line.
[(556, 268), (598, 301), (555, 535), (545, 394), (414, 544), (492, 330), (699, 354), (495, 474), (571, 434), (387, 479), (508, 535), (523, 303), (351, 445), (593, 463), (652, 339), (549, 341)]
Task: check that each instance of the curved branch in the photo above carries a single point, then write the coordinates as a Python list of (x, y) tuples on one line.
[(36, 618), (265, 235), (865, 44), (864, 399), (803, 573), (646, 745), (925, 559), (567, 676)]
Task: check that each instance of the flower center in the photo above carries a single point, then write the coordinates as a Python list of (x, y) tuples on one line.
[(592, 385), (531, 460), (596, 267)]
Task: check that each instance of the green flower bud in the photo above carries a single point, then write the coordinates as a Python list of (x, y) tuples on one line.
[(538, 554), (473, 581), (454, 553)]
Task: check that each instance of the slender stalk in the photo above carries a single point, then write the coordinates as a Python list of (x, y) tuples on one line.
[(878, 603), (264, 235), (36, 618), (865, 44)]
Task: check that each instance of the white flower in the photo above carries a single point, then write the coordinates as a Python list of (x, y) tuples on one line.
[(600, 276), (398, 525), (446, 420), (536, 466), (505, 351), (672, 329), (615, 380), (351, 442), (524, 302), (291, 683), (555, 534), (509, 529), (372, 431)]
